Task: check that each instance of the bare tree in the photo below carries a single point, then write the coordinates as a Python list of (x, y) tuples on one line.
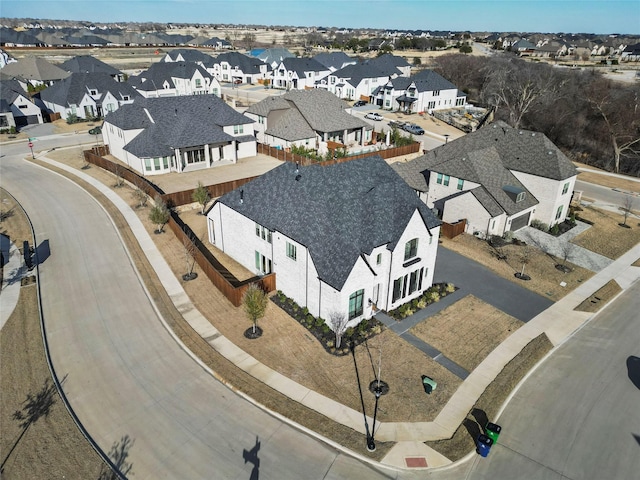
[(117, 171), (525, 258), (566, 250), (189, 248), (139, 193), (159, 214), (201, 195), (254, 303), (338, 322), (620, 110), (249, 40), (627, 208)]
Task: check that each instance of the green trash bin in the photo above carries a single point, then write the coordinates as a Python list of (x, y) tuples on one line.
[(429, 384), (493, 431)]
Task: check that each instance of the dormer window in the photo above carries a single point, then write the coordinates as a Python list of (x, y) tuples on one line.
[(517, 194), (93, 92), (126, 98), (520, 197)]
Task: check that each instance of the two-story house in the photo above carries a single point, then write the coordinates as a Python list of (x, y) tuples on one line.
[(188, 55), (89, 64), (169, 79), (497, 178), (307, 118), (426, 91), (345, 238), (391, 65), (298, 73), (16, 107), (234, 67), (334, 60), (87, 95), (354, 82), (34, 72), (177, 134)]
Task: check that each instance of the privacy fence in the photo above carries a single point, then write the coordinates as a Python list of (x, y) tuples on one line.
[(232, 288)]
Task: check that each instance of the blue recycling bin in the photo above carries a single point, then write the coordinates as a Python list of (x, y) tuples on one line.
[(484, 445)]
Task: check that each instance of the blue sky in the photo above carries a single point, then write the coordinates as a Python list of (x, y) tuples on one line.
[(575, 16)]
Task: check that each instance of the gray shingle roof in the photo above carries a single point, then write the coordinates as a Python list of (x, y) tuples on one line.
[(336, 60), (428, 80), (389, 64), (338, 212), (189, 55), (271, 55), (88, 64), (246, 64), (173, 122), (354, 74), (291, 127), (35, 68), (154, 77), (265, 106), (72, 90), (302, 65), (10, 89)]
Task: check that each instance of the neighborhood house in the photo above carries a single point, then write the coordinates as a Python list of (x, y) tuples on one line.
[(347, 238)]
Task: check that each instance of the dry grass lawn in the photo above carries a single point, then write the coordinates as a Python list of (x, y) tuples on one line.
[(52, 446), (467, 331), (606, 237), (600, 297), (545, 278)]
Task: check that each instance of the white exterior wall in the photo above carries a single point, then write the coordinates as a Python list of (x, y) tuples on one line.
[(427, 250), (479, 221), (445, 99), (111, 103), (116, 139), (549, 194), (247, 149), (22, 107), (438, 191)]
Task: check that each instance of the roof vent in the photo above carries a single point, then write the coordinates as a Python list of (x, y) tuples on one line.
[(520, 132), (550, 152), (533, 134), (241, 197), (298, 177), (297, 169)]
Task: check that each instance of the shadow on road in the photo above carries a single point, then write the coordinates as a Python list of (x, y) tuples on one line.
[(633, 370), (118, 455), (251, 456), (42, 252)]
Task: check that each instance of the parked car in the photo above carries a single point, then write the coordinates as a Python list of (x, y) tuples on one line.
[(360, 103), (413, 129), (397, 124), (373, 116)]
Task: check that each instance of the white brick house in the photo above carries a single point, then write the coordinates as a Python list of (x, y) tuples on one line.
[(340, 238), (177, 134), (497, 178), (298, 73), (168, 79)]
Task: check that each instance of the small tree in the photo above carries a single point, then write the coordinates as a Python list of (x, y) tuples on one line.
[(201, 195), (254, 303), (159, 214), (417, 61), (190, 249), (626, 208), (566, 249), (465, 48), (117, 171), (139, 194), (525, 258), (338, 324)]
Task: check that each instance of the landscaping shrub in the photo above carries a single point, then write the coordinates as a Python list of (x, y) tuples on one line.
[(537, 224)]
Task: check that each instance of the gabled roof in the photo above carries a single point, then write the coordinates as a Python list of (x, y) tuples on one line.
[(354, 74), (335, 60), (88, 64), (35, 68), (247, 65), (321, 110), (10, 89), (302, 65), (389, 64), (154, 77), (9, 35), (175, 122), (189, 55), (271, 55), (338, 212), (72, 89), (428, 80)]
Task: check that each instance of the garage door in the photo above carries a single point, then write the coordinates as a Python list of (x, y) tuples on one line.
[(519, 222)]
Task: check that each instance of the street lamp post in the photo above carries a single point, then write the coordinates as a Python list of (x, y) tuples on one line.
[(446, 138)]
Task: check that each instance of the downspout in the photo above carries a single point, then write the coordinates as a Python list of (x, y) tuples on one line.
[(221, 234), (306, 280), (389, 283)]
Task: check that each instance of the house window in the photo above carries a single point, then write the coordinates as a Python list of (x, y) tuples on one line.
[(460, 184), (436, 93), (520, 196), (397, 289), (408, 284), (355, 304), (195, 156), (198, 83), (263, 233), (379, 259), (431, 105), (156, 163), (413, 281), (565, 188), (263, 264), (439, 179), (165, 162), (126, 98), (559, 212), (147, 164), (93, 92), (238, 129), (291, 251), (410, 249), (261, 120), (446, 180)]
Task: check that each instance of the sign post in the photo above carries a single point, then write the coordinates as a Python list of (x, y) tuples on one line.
[(31, 147)]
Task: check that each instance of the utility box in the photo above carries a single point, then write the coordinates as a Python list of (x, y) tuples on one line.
[(493, 431)]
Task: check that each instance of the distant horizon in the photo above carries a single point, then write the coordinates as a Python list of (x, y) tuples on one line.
[(598, 17)]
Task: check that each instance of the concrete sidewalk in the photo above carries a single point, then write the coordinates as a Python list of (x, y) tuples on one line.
[(14, 270), (558, 322)]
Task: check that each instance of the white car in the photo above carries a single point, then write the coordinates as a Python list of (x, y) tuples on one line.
[(373, 116)]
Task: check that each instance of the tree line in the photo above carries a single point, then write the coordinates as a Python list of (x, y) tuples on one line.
[(591, 118)]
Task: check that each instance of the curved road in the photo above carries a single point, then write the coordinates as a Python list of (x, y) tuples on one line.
[(126, 377)]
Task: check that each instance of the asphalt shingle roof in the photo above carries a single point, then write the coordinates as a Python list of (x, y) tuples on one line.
[(247, 65), (154, 77), (72, 89), (302, 65), (189, 55), (88, 64), (35, 68), (176, 122), (354, 74), (336, 60), (339, 212)]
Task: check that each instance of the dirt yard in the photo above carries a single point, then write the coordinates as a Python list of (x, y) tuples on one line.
[(467, 331)]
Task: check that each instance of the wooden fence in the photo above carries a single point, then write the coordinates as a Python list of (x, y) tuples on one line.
[(452, 230), (286, 156), (224, 281)]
